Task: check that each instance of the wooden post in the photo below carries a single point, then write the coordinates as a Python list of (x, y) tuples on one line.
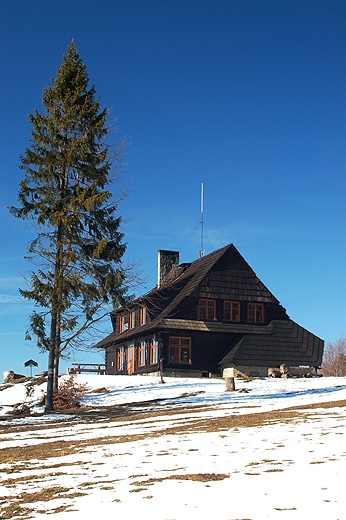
[(161, 370), (230, 385)]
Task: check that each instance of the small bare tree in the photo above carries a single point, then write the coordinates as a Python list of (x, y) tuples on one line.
[(334, 358)]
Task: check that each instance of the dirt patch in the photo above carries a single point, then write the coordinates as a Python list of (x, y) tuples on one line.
[(197, 477), (16, 509), (185, 425)]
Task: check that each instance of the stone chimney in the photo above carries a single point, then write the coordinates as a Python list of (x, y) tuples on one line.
[(167, 261)]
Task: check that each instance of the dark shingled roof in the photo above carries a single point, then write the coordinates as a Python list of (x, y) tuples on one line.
[(178, 324), (189, 278), (282, 341)]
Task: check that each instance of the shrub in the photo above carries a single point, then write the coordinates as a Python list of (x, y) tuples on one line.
[(334, 358), (69, 394)]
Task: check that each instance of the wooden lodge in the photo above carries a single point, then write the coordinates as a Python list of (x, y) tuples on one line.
[(205, 317)]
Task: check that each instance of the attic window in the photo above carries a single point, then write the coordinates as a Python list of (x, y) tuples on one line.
[(207, 310), (231, 311), (255, 313)]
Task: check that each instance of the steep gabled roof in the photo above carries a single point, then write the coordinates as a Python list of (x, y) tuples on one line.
[(187, 277), (194, 276)]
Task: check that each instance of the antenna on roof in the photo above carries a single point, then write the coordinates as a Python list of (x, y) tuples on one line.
[(201, 252)]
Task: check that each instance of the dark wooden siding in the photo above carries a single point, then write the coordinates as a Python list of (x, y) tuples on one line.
[(207, 350), (188, 309), (110, 360), (235, 285)]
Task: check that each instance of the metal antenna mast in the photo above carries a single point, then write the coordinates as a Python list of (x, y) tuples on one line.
[(201, 252)]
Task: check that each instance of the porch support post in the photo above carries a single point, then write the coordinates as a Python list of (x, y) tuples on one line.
[(161, 370), (160, 358)]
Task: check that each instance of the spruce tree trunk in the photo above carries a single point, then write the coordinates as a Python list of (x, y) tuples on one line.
[(51, 362), (57, 358), (56, 371)]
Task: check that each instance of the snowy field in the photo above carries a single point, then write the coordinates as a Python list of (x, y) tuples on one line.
[(185, 449)]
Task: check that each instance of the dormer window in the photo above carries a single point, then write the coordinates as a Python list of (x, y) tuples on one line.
[(207, 310), (255, 313)]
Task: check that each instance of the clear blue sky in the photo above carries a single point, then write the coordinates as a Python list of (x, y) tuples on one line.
[(246, 96)]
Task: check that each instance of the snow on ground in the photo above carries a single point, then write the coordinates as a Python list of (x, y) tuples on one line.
[(266, 393), (185, 450)]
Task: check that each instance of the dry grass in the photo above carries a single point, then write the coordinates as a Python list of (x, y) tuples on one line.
[(196, 477), (58, 448), (15, 507), (44, 456)]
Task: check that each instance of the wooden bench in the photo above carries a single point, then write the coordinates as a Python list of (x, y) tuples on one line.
[(78, 368)]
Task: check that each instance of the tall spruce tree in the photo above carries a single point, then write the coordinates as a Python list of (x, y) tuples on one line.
[(66, 190)]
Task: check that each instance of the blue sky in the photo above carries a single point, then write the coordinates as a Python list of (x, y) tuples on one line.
[(246, 96)]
